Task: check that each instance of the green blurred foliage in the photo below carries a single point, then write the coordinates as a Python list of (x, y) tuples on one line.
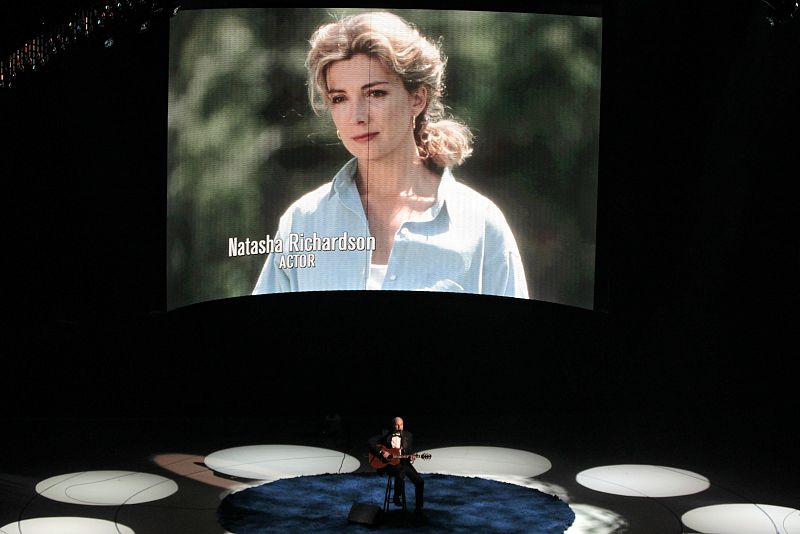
[(244, 142)]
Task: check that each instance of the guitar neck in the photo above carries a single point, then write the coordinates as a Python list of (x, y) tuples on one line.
[(394, 453), (402, 456), (378, 462)]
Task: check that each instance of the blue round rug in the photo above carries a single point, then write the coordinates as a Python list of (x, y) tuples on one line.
[(323, 503)]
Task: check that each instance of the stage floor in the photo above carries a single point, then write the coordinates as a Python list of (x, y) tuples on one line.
[(154, 476)]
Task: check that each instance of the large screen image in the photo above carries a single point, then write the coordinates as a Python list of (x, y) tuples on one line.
[(364, 149)]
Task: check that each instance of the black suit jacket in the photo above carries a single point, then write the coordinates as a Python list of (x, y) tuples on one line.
[(385, 439)]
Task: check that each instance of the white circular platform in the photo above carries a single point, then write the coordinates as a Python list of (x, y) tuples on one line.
[(743, 518), (65, 525), (642, 480), (483, 461), (106, 488), (272, 462)]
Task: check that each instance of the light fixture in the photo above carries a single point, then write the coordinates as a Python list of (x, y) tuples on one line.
[(781, 11), (104, 23)]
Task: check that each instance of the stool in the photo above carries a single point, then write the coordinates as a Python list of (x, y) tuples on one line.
[(389, 495)]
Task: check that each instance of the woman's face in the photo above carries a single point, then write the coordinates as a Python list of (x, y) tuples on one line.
[(371, 108)]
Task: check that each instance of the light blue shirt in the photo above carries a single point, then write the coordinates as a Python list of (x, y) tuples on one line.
[(461, 244)]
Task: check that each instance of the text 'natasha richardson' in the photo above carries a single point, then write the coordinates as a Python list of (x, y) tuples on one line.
[(297, 242)]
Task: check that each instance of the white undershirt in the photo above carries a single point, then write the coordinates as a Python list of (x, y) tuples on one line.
[(396, 441), (376, 275)]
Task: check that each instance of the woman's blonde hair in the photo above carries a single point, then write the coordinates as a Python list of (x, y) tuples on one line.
[(418, 62)]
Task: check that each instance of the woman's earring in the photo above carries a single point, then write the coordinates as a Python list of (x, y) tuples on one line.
[(413, 122), (337, 135)]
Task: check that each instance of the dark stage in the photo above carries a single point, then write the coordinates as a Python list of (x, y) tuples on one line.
[(741, 468), (684, 364)]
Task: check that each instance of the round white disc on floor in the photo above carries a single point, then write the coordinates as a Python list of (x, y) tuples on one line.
[(106, 488), (279, 461), (642, 480)]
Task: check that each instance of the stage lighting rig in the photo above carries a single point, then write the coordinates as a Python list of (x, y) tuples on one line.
[(780, 12), (103, 23)]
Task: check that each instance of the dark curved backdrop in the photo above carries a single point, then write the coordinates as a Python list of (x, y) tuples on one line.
[(695, 239)]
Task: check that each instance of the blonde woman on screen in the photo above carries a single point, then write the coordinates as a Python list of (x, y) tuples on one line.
[(393, 217)]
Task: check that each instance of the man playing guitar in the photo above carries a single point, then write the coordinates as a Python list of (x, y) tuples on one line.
[(401, 441)]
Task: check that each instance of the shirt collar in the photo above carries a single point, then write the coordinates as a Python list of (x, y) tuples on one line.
[(444, 195), (344, 185)]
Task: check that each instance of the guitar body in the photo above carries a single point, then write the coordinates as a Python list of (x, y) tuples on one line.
[(378, 462)]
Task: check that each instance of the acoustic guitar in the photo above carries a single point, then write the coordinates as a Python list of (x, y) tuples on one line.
[(378, 461)]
